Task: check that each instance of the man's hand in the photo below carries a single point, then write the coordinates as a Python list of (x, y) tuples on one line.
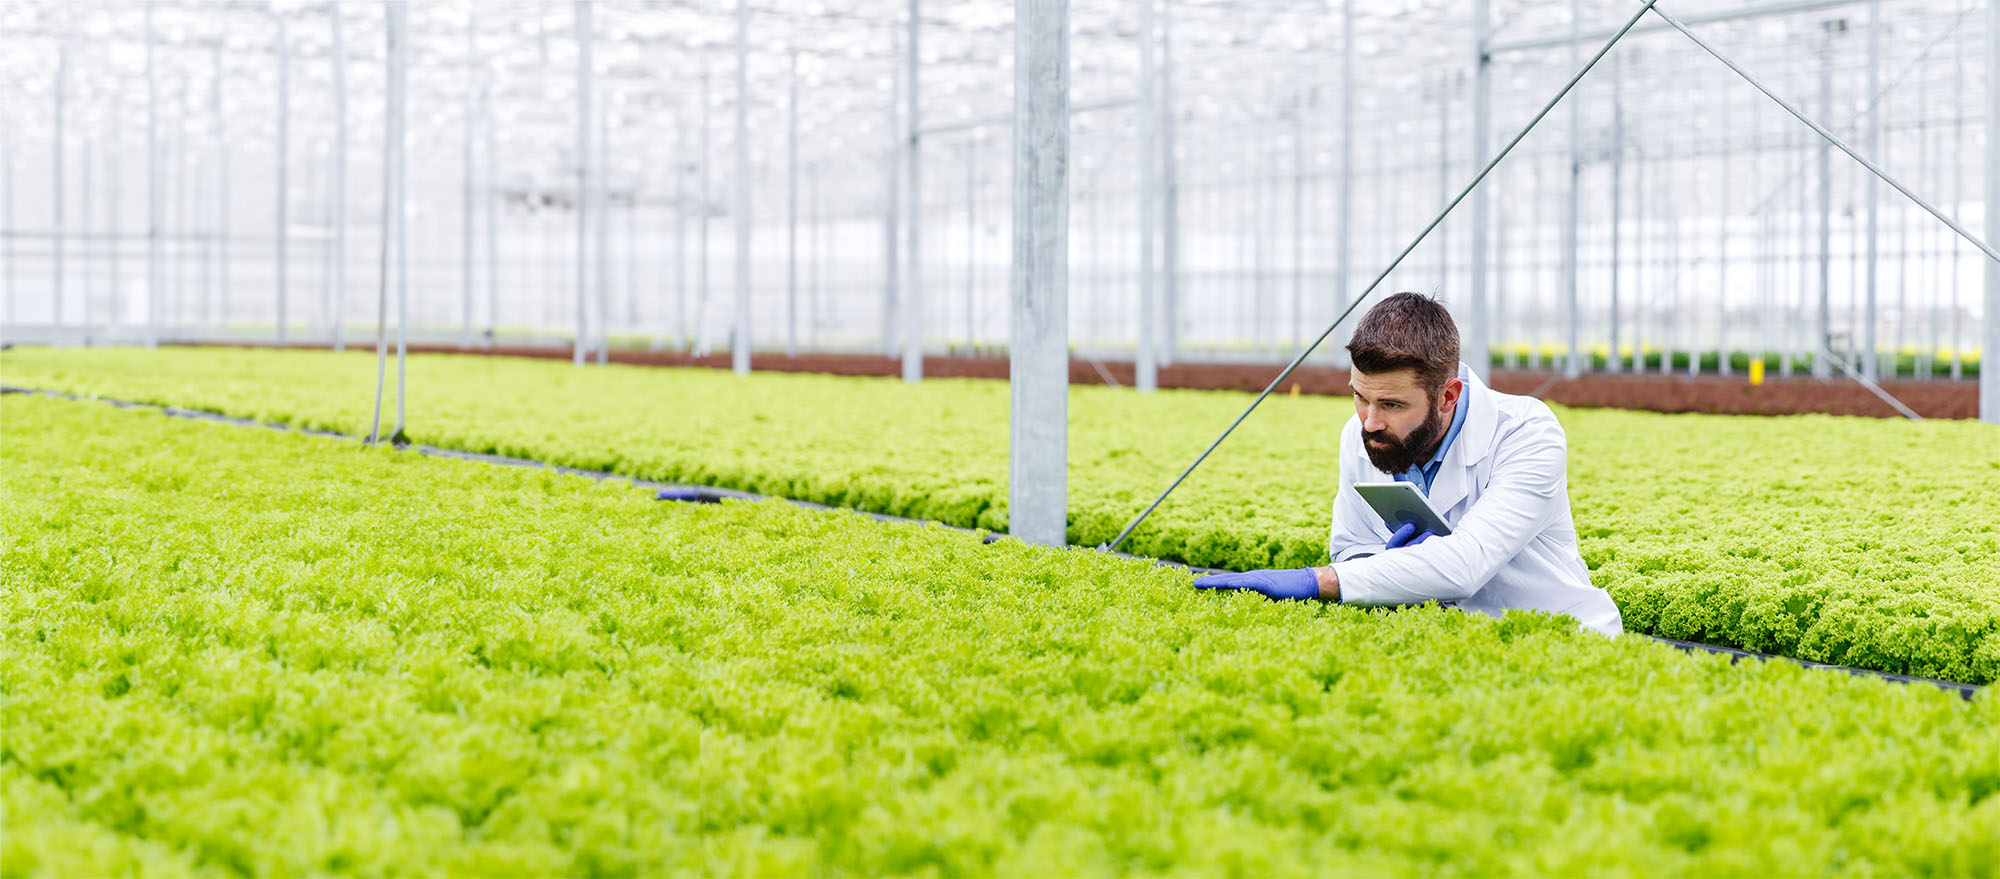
[(1291, 584), (1408, 536)]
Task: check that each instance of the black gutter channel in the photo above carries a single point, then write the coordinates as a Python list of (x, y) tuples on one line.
[(711, 494)]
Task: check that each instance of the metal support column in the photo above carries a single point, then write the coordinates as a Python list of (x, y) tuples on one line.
[(492, 206), (739, 339), (466, 191), (600, 206), (971, 245), (1822, 367), (1344, 247), (152, 188), (1038, 361), (680, 233), (1146, 377), (701, 287), (7, 223), (89, 254), (1478, 320), (56, 200), (583, 76), (1614, 361), (1170, 206), (1298, 223), (792, 210), (1572, 209), (221, 232), (891, 201), (1870, 356), (913, 293), (284, 146), (813, 264), (339, 62), (1989, 334)]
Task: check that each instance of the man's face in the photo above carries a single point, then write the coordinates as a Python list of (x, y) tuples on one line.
[(1401, 424)]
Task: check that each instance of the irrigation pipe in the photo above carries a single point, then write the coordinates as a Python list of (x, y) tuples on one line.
[(1379, 278), (713, 494)]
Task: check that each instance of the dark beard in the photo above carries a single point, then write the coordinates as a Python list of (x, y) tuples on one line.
[(1408, 452)]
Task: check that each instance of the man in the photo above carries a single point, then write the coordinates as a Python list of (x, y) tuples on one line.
[(1492, 464)]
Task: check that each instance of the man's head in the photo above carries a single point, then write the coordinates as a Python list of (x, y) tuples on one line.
[(1405, 379)]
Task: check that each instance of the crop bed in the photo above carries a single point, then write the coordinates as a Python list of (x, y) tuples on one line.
[(1844, 540), (231, 652)]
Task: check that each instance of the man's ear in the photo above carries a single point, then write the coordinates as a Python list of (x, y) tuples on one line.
[(1453, 389)]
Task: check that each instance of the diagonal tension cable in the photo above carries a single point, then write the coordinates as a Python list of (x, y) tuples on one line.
[(1831, 138), (1379, 278)]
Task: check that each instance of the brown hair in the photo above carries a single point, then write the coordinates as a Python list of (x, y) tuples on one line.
[(1408, 331)]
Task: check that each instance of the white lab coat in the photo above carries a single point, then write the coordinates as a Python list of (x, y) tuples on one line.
[(1503, 487)]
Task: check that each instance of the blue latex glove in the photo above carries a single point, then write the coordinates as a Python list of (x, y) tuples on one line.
[(1296, 584), (1408, 536)]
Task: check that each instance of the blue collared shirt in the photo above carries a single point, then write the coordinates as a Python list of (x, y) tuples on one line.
[(1422, 476)]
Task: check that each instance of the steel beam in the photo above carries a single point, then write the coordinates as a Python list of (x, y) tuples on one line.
[(1038, 350)]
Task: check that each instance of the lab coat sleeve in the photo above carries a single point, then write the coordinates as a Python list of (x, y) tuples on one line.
[(1357, 531), (1527, 487)]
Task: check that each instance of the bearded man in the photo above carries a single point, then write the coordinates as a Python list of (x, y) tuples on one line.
[(1491, 464)]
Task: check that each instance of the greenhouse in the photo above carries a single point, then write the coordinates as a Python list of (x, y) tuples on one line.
[(963, 437)]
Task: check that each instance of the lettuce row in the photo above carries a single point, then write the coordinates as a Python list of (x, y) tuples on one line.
[(1854, 541)]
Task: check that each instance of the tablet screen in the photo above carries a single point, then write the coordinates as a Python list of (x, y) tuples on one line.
[(1399, 503)]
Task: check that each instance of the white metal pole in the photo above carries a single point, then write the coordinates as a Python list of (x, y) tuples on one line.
[(813, 267), (89, 253), (600, 205), (1479, 319), (1444, 179), (56, 200), (971, 245), (739, 341), (1145, 375), (792, 209), (284, 146), (1038, 368), (1869, 360), (1822, 368), (184, 231), (680, 234), (1170, 212), (1572, 209), (1989, 335), (891, 204), (152, 188), (1613, 361), (913, 277), (1722, 254), (1298, 223), (398, 206), (1344, 247), (113, 217), (466, 191), (7, 221), (701, 215), (338, 60), (221, 192), (582, 13), (492, 200)]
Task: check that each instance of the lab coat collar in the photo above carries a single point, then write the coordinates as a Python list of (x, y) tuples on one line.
[(1474, 443)]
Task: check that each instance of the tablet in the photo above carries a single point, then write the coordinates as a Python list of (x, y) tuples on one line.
[(1399, 503)]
